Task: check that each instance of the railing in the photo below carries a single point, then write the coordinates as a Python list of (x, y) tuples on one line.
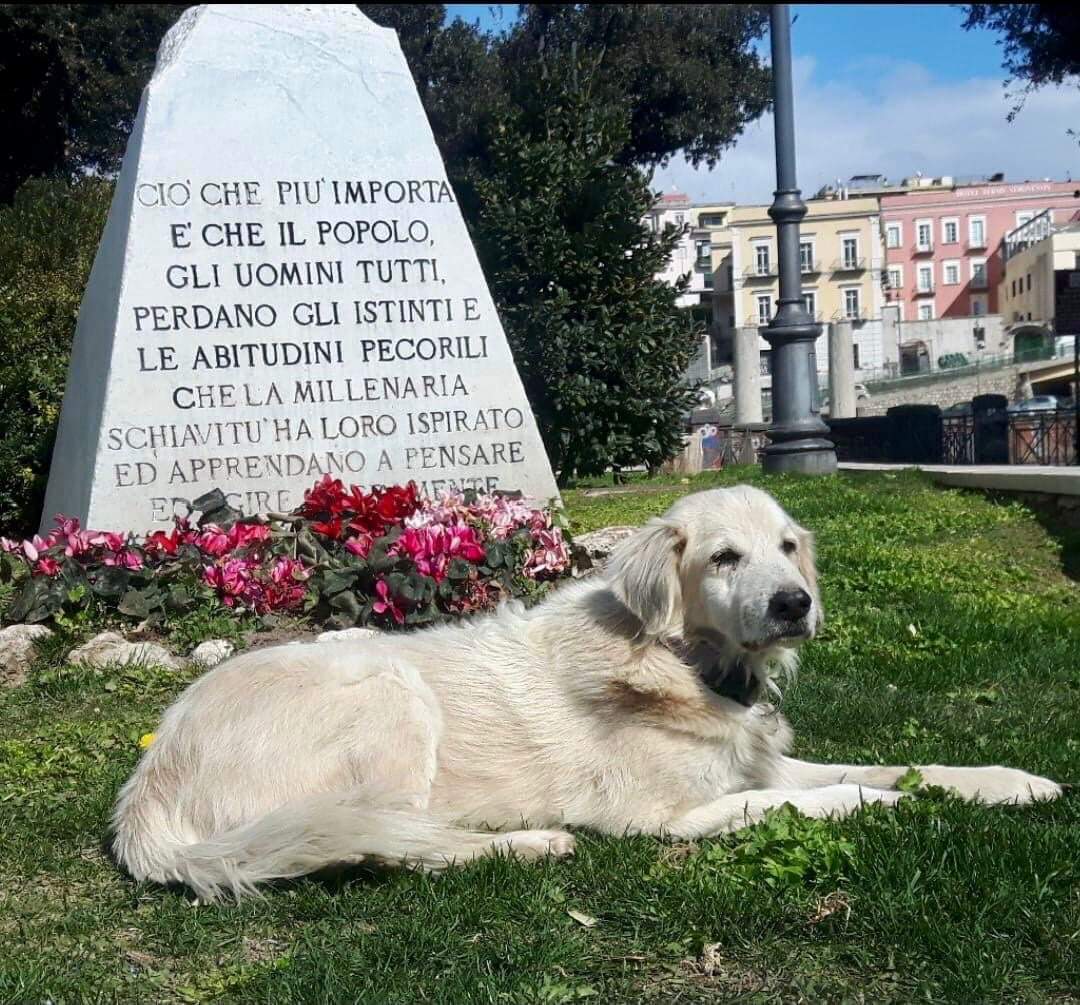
[(886, 378), (1046, 437), (757, 272), (922, 291), (1027, 234), (849, 265), (921, 434)]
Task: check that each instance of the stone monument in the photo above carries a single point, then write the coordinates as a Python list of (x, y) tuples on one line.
[(285, 288)]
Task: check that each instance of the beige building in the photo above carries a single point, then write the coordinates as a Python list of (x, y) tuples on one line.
[(840, 251), (1035, 254)]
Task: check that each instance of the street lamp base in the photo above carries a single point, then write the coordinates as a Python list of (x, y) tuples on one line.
[(807, 457)]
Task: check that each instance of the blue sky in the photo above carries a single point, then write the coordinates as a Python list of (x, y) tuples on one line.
[(885, 88)]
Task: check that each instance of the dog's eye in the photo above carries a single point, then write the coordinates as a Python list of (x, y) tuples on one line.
[(789, 547), (726, 558)]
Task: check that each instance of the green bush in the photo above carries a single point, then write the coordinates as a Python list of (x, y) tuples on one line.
[(48, 238)]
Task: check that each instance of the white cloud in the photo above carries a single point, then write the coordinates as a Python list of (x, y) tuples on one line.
[(895, 118)]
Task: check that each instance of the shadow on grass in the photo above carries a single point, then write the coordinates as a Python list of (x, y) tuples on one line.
[(1063, 525)]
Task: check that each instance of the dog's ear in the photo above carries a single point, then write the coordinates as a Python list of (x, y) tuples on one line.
[(644, 574), (806, 561)]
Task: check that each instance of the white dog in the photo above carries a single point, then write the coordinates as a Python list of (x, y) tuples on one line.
[(625, 703)]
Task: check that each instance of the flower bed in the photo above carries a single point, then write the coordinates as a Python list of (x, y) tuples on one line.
[(389, 557)]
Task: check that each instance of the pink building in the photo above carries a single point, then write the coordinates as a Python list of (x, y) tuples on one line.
[(943, 245)]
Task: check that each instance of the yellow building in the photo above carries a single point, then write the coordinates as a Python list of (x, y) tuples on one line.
[(842, 259)]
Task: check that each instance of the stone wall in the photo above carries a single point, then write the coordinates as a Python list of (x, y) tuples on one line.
[(945, 391)]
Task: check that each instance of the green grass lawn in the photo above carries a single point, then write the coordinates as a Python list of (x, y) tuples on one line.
[(952, 636)]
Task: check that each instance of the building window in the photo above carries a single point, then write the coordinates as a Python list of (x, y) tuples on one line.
[(810, 302), (850, 252), (764, 308), (851, 303), (855, 355), (952, 273), (707, 280), (679, 217), (892, 235), (1029, 282), (926, 312), (761, 259), (1012, 289), (730, 277), (896, 277), (731, 320), (977, 231), (950, 231), (926, 278), (806, 256), (1023, 217), (704, 251), (978, 273), (923, 238)]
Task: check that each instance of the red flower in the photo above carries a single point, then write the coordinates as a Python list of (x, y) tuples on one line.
[(329, 528), (159, 541), (325, 497), (47, 566), (244, 535), (385, 604)]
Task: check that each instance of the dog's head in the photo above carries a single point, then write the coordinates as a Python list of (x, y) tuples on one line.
[(726, 564)]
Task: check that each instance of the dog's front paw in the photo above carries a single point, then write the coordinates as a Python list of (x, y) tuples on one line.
[(537, 844), (993, 785), (561, 844)]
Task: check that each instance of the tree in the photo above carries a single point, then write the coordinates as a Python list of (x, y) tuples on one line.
[(599, 341), (545, 130), (1041, 42), (687, 74), (70, 79)]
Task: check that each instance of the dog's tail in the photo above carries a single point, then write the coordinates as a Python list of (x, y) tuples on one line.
[(302, 837)]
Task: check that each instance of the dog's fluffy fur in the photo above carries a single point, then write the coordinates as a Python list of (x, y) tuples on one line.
[(625, 703)]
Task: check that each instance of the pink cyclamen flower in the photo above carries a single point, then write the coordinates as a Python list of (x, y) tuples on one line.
[(431, 548), (385, 604), (549, 554), (212, 540), (360, 545), (47, 566)]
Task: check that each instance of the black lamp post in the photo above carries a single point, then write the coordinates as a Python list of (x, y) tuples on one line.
[(797, 436)]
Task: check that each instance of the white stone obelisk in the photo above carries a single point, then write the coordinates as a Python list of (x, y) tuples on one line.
[(285, 288)]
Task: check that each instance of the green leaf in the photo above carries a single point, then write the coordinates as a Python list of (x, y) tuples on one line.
[(910, 781)]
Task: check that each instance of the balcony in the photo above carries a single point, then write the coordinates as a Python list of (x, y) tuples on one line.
[(849, 265), (924, 290), (810, 268), (757, 272), (976, 244), (925, 249)]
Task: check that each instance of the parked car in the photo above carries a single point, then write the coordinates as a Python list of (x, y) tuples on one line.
[(1040, 403)]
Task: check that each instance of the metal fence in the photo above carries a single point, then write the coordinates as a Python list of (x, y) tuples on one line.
[(1036, 437), (920, 434)]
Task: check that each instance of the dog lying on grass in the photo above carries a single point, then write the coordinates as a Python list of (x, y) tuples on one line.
[(627, 702)]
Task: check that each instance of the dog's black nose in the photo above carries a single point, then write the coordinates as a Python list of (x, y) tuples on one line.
[(790, 605)]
